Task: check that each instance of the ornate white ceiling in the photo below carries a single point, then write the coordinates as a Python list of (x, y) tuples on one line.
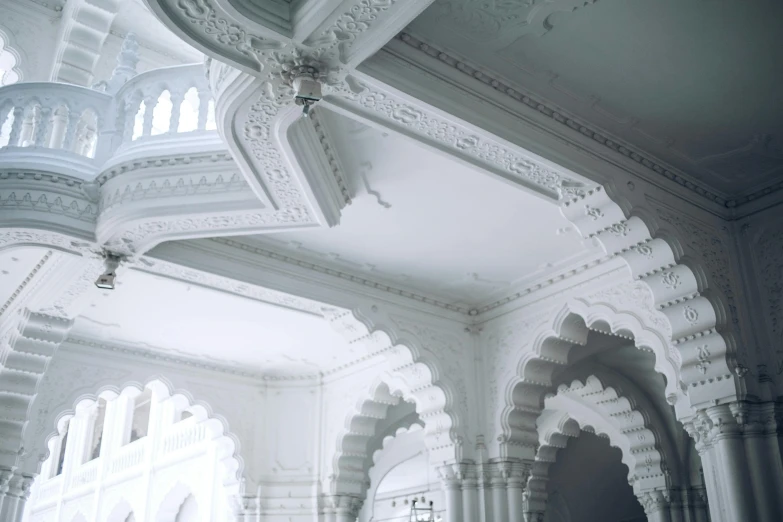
[(693, 83), (422, 220)]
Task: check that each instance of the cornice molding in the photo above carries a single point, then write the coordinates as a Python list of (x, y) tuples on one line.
[(169, 356), (669, 173), (324, 137), (530, 288)]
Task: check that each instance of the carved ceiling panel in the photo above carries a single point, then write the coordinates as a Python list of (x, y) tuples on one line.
[(422, 221)]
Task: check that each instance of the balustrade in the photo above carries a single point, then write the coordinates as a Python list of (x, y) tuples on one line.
[(129, 456), (86, 474), (86, 122), (183, 435), (171, 100), (49, 489), (52, 115)]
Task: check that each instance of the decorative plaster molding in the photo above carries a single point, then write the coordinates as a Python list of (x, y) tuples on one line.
[(601, 137), (22, 286), (209, 280), (371, 101), (616, 413), (331, 155), (166, 355)]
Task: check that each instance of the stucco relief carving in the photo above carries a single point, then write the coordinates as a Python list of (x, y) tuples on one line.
[(709, 246), (769, 259), (502, 345), (347, 27), (462, 141), (673, 286), (448, 350), (610, 411), (633, 296), (207, 279), (223, 32)]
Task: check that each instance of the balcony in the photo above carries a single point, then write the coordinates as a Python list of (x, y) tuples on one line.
[(129, 456), (79, 132), (86, 474), (183, 436)]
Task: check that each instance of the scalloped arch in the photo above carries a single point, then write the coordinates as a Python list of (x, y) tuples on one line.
[(413, 372), (655, 256), (10, 59), (549, 352), (41, 439), (354, 458), (610, 412)]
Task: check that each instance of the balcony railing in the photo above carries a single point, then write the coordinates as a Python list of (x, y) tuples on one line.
[(129, 456), (85, 474), (78, 122), (52, 115), (182, 436), (49, 489)]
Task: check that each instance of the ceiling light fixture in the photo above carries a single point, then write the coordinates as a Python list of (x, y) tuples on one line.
[(107, 278)]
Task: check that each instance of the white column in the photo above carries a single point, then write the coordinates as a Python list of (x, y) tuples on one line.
[(470, 505), (656, 505), (698, 506), (515, 484), (453, 494), (499, 496), (742, 468), (13, 495)]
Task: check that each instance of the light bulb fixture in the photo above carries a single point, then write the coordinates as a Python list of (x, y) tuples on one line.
[(107, 278), (307, 90)]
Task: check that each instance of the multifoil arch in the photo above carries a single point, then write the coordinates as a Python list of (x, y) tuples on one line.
[(548, 354), (683, 292), (415, 371)]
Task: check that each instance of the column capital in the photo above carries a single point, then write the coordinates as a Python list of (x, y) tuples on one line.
[(346, 505), (654, 501), (733, 420)]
